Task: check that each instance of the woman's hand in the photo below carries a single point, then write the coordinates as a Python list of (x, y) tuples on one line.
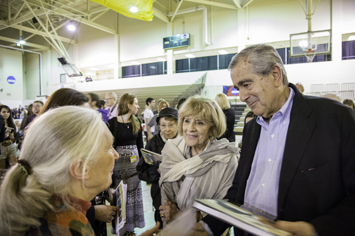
[(152, 231), (168, 211), (105, 213)]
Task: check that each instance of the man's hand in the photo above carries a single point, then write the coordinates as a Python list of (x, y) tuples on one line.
[(152, 231), (105, 213), (168, 211), (299, 228)]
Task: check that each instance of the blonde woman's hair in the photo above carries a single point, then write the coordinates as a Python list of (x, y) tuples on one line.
[(222, 101), (205, 109), (123, 109), (53, 141), (161, 103)]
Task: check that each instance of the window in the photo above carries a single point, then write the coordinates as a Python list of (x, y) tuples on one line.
[(225, 60), (156, 68), (182, 65), (131, 71), (348, 48), (203, 63)]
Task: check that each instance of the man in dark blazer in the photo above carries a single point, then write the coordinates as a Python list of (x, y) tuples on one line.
[(315, 192)]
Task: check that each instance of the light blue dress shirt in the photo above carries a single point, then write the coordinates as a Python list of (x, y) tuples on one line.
[(263, 184)]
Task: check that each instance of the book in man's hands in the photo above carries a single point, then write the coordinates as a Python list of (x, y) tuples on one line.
[(151, 158), (238, 217)]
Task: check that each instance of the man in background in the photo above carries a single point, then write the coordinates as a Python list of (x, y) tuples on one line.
[(148, 114), (36, 108), (111, 104)]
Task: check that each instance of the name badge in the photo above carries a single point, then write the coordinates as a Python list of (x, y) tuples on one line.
[(133, 159)]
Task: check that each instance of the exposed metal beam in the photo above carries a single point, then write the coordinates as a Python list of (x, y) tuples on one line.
[(237, 3), (96, 10), (176, 10), (58, 27), (8, 11), (27, 16), (34, 31), (160, 15), (100, 14), (217, 4), (27, 44), (247, 3), (83, 20), (18, 11)]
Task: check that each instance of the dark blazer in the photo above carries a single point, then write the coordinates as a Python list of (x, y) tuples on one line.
[(230, 120), (317, 179), (2, 130)]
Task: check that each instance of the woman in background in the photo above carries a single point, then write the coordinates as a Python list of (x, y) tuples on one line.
[(127, 132), (8, 156), (95, 104), (223, 102), (167, 120)]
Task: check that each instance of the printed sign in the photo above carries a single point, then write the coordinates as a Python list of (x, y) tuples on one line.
[(11, 79)]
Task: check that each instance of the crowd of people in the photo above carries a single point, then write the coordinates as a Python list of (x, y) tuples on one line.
[(294, 166)]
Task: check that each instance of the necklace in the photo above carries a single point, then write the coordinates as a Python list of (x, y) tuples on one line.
[(127, 124)]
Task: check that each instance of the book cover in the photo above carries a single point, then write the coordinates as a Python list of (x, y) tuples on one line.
[(238, 217), (151, 158)]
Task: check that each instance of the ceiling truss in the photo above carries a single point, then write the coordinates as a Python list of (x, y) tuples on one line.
[(19, 15)]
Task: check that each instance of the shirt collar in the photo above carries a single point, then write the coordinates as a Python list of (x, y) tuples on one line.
[(284, 109)]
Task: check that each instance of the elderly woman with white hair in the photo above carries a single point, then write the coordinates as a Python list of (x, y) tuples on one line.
[(196, 165), (66, 160)]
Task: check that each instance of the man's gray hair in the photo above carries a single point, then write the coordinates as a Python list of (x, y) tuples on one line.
[(113, 94), (262, 58)]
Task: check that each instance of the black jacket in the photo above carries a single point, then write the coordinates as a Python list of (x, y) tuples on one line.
[(317, 179), (230, 120), (2, 130), (150, 174)]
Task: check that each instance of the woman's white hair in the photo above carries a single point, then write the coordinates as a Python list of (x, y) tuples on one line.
[(53, 141)]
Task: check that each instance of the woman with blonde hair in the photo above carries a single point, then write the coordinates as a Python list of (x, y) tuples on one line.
[(229, 114), (49, 191), (127, 132), (192, 163)]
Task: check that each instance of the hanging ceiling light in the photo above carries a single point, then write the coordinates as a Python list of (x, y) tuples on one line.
[(71, 26), (22, 41), (133, 9)]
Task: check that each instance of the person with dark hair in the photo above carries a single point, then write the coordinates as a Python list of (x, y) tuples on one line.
[(65, 97), (349, 103), (181, 101), (248, 117), (148, 115), (94, 103), (128, 140), (102, 104), (2, 130), (36, 107), (298, 167), (8, 156), (167, 120)]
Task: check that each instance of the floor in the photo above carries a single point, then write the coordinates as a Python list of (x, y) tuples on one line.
[(148, 212)]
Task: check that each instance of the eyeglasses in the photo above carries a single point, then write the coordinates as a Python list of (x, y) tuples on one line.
[(166, 126)]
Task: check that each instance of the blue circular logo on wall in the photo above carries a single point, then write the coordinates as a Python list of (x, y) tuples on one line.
[(11, 80)]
